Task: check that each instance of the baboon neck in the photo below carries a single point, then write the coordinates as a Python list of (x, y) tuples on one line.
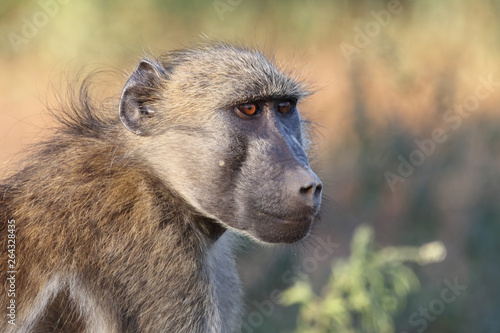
[(209, 227), (207, 230), (175, 209)]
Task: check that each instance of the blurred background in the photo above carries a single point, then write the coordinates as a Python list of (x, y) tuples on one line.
[(406, 140)]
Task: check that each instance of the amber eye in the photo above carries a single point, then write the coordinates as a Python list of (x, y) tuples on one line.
[(284, 107), (248, 109)]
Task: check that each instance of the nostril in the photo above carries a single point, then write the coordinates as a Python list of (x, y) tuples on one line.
[(318, 190), (306, 189)]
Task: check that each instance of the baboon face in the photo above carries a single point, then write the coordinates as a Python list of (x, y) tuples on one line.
[(221, 127)]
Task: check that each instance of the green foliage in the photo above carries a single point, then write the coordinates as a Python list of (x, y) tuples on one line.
[(365, 291)]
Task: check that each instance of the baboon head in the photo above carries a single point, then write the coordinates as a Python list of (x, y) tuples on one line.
[(220, 126)]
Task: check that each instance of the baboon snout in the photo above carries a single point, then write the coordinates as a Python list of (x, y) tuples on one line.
[(305, 188)]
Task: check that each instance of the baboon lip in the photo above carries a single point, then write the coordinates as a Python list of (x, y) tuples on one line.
[(298, 219), (287, 230)]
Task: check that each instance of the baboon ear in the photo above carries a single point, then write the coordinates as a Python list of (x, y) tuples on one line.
[(139, 95)]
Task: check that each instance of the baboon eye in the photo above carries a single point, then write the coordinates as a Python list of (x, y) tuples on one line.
[(248, 109), (284, 107)]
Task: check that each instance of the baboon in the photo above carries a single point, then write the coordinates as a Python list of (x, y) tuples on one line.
[(124, 220)]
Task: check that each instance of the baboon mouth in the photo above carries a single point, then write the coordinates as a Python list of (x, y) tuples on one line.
[(295, 219), (279, 229)]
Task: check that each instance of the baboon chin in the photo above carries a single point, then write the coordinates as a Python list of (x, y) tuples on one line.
[(125, 218)]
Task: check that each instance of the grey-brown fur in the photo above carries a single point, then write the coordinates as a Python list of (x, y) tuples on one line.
[(130, 230)]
